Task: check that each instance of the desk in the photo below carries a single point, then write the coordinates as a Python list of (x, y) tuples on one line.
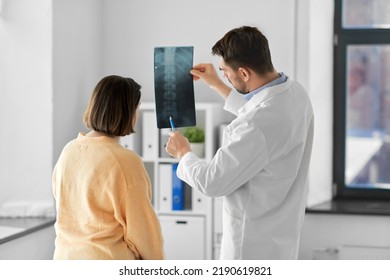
[(12, 228), (27, 238)]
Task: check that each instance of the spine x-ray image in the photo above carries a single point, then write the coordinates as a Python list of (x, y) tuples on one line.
[(174, 86)]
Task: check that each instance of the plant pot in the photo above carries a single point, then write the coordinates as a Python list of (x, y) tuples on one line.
[(198, 149)]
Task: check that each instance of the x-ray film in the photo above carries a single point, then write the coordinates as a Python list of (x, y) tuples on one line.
[(174, 86)]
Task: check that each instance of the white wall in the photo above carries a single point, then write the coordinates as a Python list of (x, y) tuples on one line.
[(315, 71), (77, 63), (50, 60), (321, 92), (133, 28), (25, 106)]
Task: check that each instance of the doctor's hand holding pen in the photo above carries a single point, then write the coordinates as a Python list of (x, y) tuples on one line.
[(177, 145)]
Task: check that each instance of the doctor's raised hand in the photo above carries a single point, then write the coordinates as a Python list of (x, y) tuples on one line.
[(207, 73), (177, 145)]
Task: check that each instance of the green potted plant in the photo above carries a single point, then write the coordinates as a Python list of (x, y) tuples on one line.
[(195, 136)]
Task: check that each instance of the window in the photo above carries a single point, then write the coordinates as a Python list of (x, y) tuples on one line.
[(362, 99)]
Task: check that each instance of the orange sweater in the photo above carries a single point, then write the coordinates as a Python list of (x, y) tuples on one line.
[(103, 202)]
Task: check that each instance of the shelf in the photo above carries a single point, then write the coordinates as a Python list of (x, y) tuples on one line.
[(167, 160), (180, 213)]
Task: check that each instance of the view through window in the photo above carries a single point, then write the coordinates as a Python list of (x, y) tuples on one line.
[(368, 116), (362, 95)]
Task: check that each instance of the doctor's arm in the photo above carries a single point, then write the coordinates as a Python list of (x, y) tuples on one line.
[(244, 155)]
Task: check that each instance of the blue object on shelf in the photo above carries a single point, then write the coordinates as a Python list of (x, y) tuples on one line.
[(177, 190)]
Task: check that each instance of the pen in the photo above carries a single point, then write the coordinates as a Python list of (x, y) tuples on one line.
[(172, 124)]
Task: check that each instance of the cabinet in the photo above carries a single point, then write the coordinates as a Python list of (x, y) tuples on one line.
[(190, 230), (184, 236), (345, 236)]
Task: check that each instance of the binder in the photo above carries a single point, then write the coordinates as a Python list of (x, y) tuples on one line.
[(127, 142), (164, 136), (199, 202), (177, 190), (165, 187), (149, 135)]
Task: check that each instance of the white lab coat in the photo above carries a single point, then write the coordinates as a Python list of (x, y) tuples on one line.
[(261, 172)]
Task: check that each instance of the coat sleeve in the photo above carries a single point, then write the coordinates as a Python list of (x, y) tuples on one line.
[(234, 101), (243, 155)]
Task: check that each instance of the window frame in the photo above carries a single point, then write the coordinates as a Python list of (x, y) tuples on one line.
[(343, 37)]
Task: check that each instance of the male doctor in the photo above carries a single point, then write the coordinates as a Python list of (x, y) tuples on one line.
[(261, 168)]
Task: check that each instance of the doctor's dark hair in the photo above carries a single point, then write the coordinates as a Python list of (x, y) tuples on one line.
[(245, 47), (113, 105)]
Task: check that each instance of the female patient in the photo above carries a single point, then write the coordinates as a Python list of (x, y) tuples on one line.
[(102, 190)]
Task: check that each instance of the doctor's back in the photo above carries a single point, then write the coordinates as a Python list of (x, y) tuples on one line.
[(263, 218)]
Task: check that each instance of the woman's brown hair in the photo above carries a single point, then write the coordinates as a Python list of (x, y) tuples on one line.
[(112, 107)]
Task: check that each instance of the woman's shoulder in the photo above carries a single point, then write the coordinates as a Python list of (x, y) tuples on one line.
[(131, 165), (126, 154)]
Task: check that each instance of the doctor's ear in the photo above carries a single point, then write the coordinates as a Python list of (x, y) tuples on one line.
[(244, 73)]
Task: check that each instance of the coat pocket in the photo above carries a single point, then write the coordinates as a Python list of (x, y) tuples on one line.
[(231, 247)]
